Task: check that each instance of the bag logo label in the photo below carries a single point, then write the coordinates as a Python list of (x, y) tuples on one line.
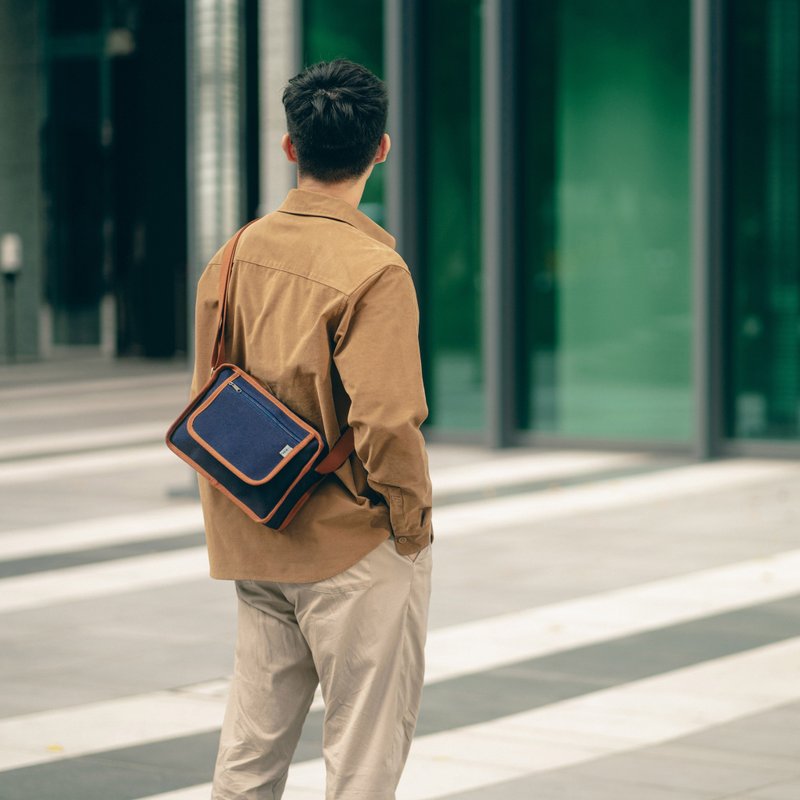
[(286, 450)]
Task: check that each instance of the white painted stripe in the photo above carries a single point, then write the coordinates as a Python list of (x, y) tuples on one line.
[(500, 471), (607, 722), (101, 462), (462, 519), (450, 652), (474, 517), (78, 535), (508, 638), (696, 479), (50, 735), (70, 441), (134, 399), (481, 475), (67, 537), (60, 586), (203, 792), (32, 591), (55, 390)]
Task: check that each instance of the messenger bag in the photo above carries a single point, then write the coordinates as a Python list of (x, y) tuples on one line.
[(249, 445)]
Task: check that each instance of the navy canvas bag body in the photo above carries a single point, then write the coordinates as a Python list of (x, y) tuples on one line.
[(247, 443)]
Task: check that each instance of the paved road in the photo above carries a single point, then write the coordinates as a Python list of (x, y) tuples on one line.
[(603, 625)]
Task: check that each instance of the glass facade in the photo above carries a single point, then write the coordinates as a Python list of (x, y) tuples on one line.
[(450, 205), (449, 284), (762, 254), (604, 271), (113, 184), (73, 180), (349, 29)]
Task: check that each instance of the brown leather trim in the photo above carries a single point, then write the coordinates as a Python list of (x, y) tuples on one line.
[(218, 350), (187, 410), (217, 485), (338, 454), (214, 482), (247, 510), (301, 501)]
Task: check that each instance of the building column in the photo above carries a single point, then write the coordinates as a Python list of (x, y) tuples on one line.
[(280, 58), (214, 75), (498, 210), (401, 67), (707, 197)]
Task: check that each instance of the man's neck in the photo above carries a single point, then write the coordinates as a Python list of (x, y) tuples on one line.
[(349, 192)]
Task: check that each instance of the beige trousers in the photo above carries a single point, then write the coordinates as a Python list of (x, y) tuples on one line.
[(361, 635)]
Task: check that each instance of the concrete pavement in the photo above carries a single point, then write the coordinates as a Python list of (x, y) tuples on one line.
[(603, 625)]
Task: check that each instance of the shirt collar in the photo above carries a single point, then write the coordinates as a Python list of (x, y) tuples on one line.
[(315, 204)]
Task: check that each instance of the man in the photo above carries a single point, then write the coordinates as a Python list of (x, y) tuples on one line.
[(324, 313)]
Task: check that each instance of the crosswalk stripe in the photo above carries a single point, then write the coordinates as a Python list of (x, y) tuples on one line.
[(67, 537), (135, 399), (97, 580), (59, 389), (488, 474), (603, 723), (203, 792), (516, 636), (510, 471), (457, 520), (75, 583), (495, 475), (42, 737), (70, 441), (450, 653), (104, 461), (605, 495), (149, 525)]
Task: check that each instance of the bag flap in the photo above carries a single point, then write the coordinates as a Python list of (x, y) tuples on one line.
[(253, 435)]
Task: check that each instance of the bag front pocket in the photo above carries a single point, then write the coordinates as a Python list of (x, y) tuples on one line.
[(245, 431)]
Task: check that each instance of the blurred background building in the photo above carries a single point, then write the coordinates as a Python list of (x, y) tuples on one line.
[(599, 199)]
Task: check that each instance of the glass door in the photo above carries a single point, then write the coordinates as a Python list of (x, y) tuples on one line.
[(604, 272), (762, 265)]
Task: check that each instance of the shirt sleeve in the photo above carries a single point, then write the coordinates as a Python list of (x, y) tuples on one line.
[(376, 351)]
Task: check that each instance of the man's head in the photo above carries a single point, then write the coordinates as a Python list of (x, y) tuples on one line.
[(336, 118)]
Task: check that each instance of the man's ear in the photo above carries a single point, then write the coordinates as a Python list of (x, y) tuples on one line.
[(288, 148), (384, 146)]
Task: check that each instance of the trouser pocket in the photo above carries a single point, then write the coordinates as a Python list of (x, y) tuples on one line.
[(412, 557)]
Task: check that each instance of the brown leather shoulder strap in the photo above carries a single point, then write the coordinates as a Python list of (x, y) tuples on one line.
[(345, 445), (338, 454), (218, 351)]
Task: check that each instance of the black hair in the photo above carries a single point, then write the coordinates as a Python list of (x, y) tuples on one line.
[(335, 114)]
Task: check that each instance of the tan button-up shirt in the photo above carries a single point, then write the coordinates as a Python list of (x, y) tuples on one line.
[(323, 311)]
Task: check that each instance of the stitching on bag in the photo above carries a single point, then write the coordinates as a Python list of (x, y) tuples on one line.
[(196, 412)]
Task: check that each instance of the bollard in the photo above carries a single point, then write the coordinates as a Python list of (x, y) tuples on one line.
[(10, 265)]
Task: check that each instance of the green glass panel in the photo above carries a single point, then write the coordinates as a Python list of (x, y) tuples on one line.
[(74, 18), (763, 231), (74, 178), (605, 333), (349, 29), (450, 213)]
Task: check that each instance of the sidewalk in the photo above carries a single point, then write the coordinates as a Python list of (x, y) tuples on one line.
[(603, 625)]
